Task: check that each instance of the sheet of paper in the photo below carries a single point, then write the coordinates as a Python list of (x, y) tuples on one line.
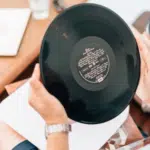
[(13, 22), (16, 112)]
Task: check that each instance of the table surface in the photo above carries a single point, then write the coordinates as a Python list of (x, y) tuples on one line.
[(11, 67)]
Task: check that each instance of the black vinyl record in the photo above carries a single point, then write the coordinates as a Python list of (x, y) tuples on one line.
[(90, 61)]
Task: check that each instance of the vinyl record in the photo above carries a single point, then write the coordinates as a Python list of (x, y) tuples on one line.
[(90, 61)]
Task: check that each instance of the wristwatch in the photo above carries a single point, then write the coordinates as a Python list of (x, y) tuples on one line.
[(49, 129)]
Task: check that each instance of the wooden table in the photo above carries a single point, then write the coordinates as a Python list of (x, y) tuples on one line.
[(29, 50)]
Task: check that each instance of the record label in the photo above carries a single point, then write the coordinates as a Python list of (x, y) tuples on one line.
[(94, 65)]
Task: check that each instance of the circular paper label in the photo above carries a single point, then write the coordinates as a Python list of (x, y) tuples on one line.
[(93, 65)]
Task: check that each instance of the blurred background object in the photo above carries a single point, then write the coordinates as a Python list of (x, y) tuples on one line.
[(12, 33), (39, 8), (128, 10), (126, 134), (63, 4), (139, 145), (117, 140)]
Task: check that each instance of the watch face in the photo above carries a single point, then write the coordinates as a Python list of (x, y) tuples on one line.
[(90, 62)]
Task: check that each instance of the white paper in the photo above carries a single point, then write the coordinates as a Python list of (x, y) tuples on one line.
[(13, 22), (93, 137), (16, 112)]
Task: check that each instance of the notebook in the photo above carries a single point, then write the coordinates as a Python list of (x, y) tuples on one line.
[(13, 22), (16, 112)]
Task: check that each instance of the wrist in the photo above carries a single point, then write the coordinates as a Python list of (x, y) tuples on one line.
[(62, 120), (57, 134)]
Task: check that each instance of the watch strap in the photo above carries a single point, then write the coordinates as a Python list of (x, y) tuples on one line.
[(49, 129)]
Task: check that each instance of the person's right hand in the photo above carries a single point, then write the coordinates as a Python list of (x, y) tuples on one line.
[(143, 90), (50, 109)]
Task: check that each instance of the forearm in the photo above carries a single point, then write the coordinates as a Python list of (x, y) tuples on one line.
[(58, 141)]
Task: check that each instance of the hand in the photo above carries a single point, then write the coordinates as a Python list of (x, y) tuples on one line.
[(143, 90), (50, 109)]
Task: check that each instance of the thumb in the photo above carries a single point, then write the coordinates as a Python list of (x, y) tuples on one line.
[(36, 72), (142, 48), (38, 88)]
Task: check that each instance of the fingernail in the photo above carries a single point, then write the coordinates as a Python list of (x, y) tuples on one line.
[(146, 108), (37, 64)]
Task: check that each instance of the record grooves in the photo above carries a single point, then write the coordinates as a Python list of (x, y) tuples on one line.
[(89, 60)]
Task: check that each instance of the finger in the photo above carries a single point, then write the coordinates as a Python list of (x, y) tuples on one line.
[(146, 41), (146, 127), (38, 88), (139, 40), (143, 66), (36, 72), (40, 94), (146, 52), (142, 48), (36, 85), (140, 45), (147, 35), (146, 107), (35, 89)]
